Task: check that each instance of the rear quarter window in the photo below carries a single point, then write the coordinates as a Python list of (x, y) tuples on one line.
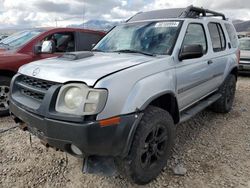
[(232, 35)]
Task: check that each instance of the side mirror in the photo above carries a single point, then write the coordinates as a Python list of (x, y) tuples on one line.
[(48, 47), (93, 45), (191, 52), (37, 49)]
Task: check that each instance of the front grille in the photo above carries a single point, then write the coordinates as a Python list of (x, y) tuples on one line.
[(33, 95), (42, 84), (33, 88)]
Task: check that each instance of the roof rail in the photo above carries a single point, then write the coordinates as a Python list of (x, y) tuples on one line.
[(196, 12), (189, 12)]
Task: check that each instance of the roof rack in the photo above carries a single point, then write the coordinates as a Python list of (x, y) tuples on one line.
[(196, 12), (189, 12)]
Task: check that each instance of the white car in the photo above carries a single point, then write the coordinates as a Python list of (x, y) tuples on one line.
[(245, 55)]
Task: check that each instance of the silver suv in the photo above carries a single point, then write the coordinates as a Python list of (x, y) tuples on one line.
[(118, 105)]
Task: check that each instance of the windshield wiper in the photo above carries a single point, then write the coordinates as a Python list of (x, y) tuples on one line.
[(97, 50), (134, 51)]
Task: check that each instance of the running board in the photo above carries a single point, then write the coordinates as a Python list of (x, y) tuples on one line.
[(189, 113)]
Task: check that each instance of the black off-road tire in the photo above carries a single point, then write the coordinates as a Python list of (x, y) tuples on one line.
[(134, 167), (225, 103), (4, 88)]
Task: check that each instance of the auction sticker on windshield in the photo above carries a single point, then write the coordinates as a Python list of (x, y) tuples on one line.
[(167, 24)]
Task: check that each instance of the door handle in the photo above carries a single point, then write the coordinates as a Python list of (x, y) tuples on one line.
[(210, 62)]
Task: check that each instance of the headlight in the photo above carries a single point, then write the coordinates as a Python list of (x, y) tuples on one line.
[(79, 99), (73, 97)]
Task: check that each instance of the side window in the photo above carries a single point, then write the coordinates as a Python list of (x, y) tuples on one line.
[(222, 37), (217, 37), (63, 42), (195, 34), (85, 41), (232, 35)]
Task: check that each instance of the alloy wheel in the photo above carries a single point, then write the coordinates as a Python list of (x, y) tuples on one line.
[(4, 98), (154, 146)]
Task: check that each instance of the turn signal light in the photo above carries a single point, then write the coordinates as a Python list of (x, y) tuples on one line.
[(111, 121)]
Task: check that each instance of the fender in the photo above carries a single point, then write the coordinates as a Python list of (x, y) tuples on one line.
[(151, 99), (149, 88), (142, 82), (230, 67)]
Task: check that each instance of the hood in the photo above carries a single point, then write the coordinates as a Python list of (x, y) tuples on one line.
[(87, 70), (244, 54), (6, 51)]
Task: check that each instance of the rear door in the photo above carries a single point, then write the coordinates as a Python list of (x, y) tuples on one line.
[(219, 55), (193, 75)]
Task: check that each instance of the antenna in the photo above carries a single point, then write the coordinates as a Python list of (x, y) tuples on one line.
[(56, 21)]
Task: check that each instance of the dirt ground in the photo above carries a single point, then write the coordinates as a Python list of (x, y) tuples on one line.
[(213, 148)]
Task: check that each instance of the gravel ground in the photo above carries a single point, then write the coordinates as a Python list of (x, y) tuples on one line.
[(213, 148)]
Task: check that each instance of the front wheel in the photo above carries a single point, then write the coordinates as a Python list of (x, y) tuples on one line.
[(151, 147), (4, 95), (227, 90)]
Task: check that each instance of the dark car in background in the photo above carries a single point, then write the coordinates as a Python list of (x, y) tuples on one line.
[(245, 55), (35, 44)]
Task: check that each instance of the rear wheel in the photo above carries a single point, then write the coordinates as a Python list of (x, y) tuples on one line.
[(151, 147), (4, 95), (225, 103)]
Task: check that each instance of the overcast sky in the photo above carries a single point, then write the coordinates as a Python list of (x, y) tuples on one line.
[(36, 13)]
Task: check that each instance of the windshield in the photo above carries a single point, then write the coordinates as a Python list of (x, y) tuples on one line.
[(245, 44), (18, 39), (148, 37)]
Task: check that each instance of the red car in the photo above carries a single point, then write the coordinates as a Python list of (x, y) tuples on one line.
[(31, 45)]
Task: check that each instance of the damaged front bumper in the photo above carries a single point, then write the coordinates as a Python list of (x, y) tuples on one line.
[(89, 138)]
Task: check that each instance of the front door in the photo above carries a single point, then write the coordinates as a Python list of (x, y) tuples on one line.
[(63, 41), (193, 75)]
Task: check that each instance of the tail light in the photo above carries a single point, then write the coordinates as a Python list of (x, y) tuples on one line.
[(238, 56)]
